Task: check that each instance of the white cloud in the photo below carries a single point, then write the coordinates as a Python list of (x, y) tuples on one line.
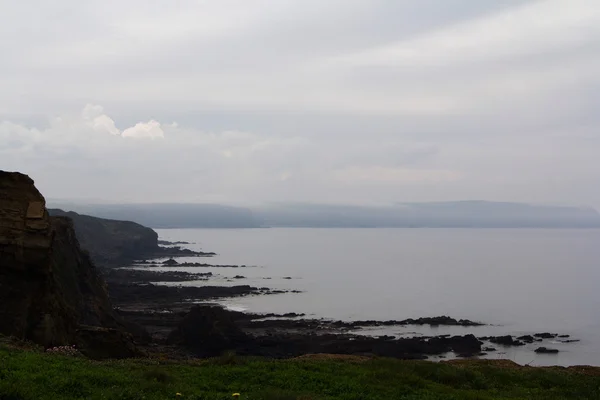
[(150, 129), (280, 100)]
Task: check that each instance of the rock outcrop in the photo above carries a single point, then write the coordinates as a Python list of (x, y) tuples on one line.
[(209, 331), (112, 242), (49, 287)]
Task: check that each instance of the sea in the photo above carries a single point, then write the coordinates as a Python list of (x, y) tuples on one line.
[(516, 281)]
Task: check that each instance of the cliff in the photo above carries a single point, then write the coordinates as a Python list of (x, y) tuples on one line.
[(112, 242), (50, 291)]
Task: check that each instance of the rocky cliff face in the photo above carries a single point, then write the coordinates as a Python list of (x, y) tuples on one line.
[(112, 242), (49, 288)]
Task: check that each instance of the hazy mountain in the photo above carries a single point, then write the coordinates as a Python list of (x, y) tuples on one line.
[(169, 215), (442, 214), (475, 214)]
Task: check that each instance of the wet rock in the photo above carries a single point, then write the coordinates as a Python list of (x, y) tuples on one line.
[(564, 336), (167, 243), (239, 277), (442, 320), (120, 275), (433, 321), (206, 265), (272, 315), (489, 349), (526, 338), (150, 295), (545, 350), (546, 335), (506, 340), (170, 262)]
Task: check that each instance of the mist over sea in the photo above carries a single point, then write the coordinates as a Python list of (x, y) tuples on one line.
[(520, 281)]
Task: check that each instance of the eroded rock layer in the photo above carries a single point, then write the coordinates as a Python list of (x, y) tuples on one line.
[(48, 286)]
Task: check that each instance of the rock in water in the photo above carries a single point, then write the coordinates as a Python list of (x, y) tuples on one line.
[(545, 350), (506, 340), (48, 286)]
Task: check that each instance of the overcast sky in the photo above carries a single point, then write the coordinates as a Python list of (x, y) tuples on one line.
[(250, 101)]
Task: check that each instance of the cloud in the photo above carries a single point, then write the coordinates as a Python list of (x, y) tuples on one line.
[(269, 56), (89, 149), (286, 100), (150, 129)]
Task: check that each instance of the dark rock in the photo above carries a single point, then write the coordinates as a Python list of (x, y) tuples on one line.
[(114, 243), (545, 350), (110, 242), (570, 341), (467, 344), (564, 336), (170, 262), (103, 343), (177, 251), (506, 340), (293, 315), (489, 349), (120, 275), (287, 277), (48, 285), (167, 243), (205, 265), (208, 331), (546, 335), (239, 277), (434, 321), (526, 338), (125, 294)]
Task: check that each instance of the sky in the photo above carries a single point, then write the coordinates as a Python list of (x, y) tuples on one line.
[(336, 101)]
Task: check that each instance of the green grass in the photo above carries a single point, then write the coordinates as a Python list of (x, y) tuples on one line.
[(29, 374)]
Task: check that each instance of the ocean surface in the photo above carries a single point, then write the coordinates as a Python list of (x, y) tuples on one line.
[(519, 281)]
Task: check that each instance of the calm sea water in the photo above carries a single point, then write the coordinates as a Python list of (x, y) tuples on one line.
[(520, 281)]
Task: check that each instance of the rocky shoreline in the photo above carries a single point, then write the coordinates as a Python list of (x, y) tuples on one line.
[(62, 283), (178, 320)]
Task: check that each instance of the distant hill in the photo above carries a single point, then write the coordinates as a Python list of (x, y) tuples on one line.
[(458, 214), (466, 214), (110, 241), (170, 215)]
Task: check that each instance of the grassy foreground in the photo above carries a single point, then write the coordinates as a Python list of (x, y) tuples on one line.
[(30, 374)]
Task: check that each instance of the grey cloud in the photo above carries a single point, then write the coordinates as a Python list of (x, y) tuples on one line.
[(372, 101)]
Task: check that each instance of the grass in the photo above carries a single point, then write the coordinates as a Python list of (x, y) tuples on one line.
[(27, 374)]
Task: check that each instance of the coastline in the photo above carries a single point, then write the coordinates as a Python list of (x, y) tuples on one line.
[(166, 307)]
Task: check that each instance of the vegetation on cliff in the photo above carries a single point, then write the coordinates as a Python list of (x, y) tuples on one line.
[(110, 241), (30, 374)]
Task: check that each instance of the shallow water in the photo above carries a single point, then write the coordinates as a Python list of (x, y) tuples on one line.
[(520, 281)]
